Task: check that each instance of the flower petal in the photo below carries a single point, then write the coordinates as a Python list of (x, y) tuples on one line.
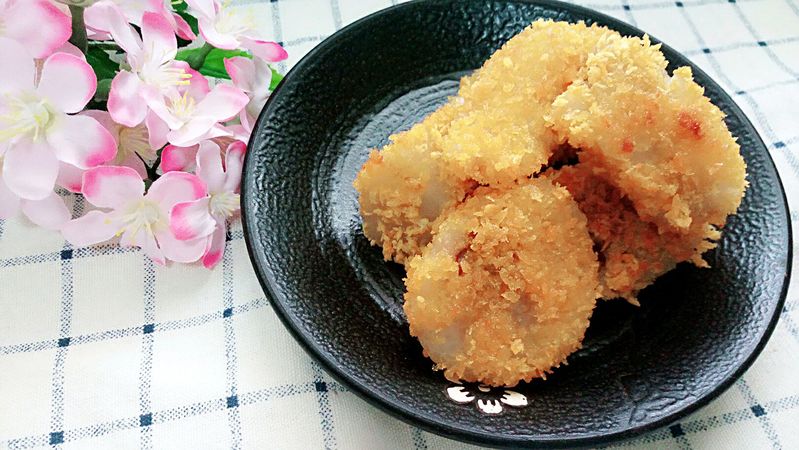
[(17, 71), (181, 251), (266, 50), (38, 25), (67, 81), (112, 186), (92, 228), (50, 212), (9, 201), (195, 131), (223, 103), (242, 72), (191, 220), (159, 37), (182, 28), (145, 241), (205, 8), (124, 101), (81, 141), (216, 247), (175, 187), (209, 166), (135, 163), (30, 169), (234, 163), (175, 158), (157, 130), (104, 119), (106, 16), (198, 86), (70, 177)]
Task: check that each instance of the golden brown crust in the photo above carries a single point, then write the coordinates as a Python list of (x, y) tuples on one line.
[(506, 288)]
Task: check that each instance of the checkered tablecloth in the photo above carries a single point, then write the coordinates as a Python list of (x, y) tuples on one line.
[(99, 348)]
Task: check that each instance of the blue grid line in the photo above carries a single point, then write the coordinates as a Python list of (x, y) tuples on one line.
[(323, 399), (83, 252), (759, 412), (306, 39), (761, 119), (793, 6), (145, 371), (765, 425), (419, 441), (277, 29), (2, 228), (658, 4), (740, 45), (65, 321), (231, 366), (169, 415), (134, 331), (628, 13), (64, 326), (773, 56), (788, 322), (336, 10), (698, 425)]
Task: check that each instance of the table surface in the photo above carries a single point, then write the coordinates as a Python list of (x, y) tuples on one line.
[(99, 348)]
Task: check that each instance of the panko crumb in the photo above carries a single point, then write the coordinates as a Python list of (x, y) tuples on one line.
[(505, 290)]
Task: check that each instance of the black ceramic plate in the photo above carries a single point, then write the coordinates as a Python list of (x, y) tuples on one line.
[(641, 368)]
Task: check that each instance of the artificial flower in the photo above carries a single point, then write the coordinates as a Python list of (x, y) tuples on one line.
[(208, 216), (38, 25), (153, 71), (133, 11), (253, 76), (134, 145), (37, 130), (139, 219), (193, 112), (226, 28), (48, 212)]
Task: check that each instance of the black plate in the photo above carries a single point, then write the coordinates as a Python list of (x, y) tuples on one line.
[(641, 368)]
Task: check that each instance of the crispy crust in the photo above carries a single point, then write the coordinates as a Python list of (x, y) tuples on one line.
[(493, 132), (654, 136), (506, 288)]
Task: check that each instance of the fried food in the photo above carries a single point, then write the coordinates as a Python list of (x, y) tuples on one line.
[(570, 166), (655, 137), (505, 290), (632, 252), (492, 132)]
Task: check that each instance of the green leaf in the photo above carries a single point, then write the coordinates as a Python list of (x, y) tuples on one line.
[(182, 9), (101, 63), (214, 64), (276, 79)]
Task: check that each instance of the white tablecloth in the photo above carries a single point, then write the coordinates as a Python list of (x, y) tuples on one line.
[(99, 348)]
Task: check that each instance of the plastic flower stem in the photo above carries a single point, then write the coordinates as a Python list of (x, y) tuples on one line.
[(78, 38), (196, 60)]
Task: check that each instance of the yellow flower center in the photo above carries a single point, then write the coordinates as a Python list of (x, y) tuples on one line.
[(142, 215), (25, 115), (223, 204)]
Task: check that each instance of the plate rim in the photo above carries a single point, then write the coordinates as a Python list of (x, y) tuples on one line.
[(395, 409)]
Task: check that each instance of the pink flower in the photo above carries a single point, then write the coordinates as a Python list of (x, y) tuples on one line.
[(193, 112), (49, 212), (253, 76), (132, 142), (153, 72), (133, 10), (226, 28), (38, 25), (208, 216), (141, 220), (185, 158), (36, 128)]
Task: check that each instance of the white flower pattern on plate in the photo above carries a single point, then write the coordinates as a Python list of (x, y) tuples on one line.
[(489, 400)]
